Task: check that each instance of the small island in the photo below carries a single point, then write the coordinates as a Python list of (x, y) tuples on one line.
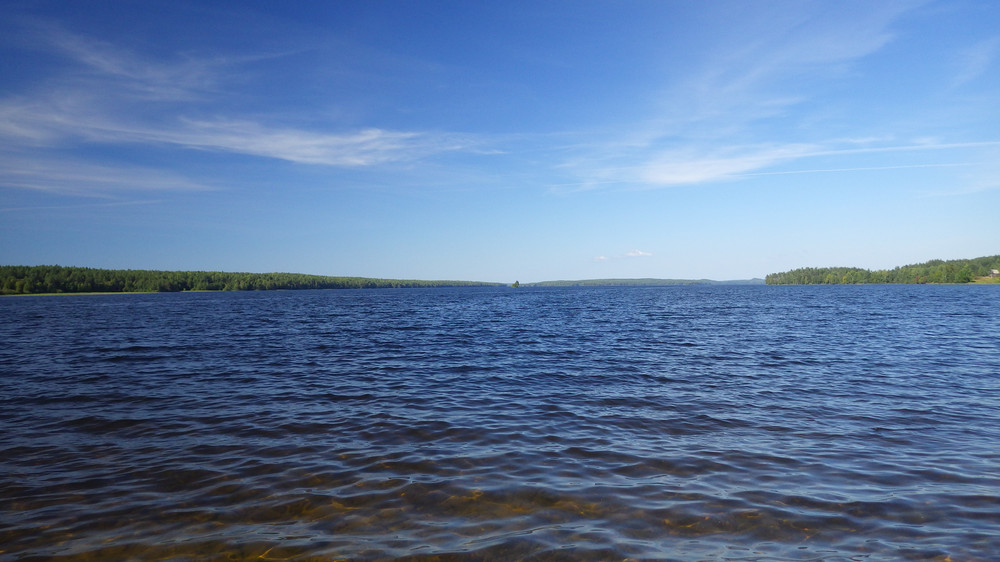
[(963, 271)]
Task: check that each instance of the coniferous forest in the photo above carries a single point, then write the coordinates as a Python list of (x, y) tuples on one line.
[(29, 280), (934, 271)]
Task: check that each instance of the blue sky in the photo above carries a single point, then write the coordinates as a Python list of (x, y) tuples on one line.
[(499, 140)]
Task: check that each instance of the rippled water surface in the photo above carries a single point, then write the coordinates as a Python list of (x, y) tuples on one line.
[(739, 423)]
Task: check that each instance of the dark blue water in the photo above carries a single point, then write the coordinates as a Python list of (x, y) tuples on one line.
[(737, 423)]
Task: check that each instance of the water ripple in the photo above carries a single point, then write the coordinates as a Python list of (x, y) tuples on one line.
[(737, 423)]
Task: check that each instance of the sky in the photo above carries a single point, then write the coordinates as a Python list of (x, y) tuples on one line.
[(499, 141)]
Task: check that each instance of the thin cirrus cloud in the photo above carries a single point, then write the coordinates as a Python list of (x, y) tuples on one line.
[(683, 167), (628, 254), (723, 121), (59, 120), (750, 80), (102, 63), (686, 167), (114, 97), (356, 148), (976, 60), (72, 177)]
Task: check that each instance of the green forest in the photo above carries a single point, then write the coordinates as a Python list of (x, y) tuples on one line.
[(976, 270), (32, 280)]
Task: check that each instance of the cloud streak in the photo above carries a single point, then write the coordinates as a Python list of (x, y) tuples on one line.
[(976, 60), (627, 255), (66, 119), (687, 167), (115, 97), (364, 147), (71, 177), (761, 83), (770, 59), (104, 64), (79, 206)]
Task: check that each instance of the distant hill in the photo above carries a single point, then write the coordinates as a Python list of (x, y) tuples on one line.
[(644, 282), (976, 270)]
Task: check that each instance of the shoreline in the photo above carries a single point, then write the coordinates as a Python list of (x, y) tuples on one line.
[(979, 281)]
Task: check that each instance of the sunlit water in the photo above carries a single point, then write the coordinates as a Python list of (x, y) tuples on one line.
[(741, 423)]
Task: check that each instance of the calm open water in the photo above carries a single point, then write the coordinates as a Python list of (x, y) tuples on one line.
[(736, 423)]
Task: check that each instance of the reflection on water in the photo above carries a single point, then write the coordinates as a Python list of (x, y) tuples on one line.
[(744, 423)]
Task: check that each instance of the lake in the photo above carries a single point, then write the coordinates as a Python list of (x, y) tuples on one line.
[(677, 423)]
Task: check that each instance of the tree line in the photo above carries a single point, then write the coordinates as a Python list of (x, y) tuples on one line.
[(29, 280), (933, 271)]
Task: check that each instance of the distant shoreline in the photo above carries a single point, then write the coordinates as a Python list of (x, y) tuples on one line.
[(20, 280), (55, 279), (542, 285), (52, 280), (64, 294), (982, 271)]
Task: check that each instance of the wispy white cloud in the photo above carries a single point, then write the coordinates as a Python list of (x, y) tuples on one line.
[(116, 97), (73, 177), (637, 254), (770, 61), (111, 71), (687, 166), (714, 123), (626, 255), (976, 60), (859, 169), (980, 177), (135, 76), (697, 164), (355, 148), (105, 204), (60, 119)]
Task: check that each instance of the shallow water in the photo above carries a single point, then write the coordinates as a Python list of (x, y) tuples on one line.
[(739, 423)]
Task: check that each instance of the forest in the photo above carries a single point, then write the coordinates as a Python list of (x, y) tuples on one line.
[(31, 280), (934, 271)]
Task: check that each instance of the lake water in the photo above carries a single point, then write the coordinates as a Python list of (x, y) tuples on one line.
[(679, 423)]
